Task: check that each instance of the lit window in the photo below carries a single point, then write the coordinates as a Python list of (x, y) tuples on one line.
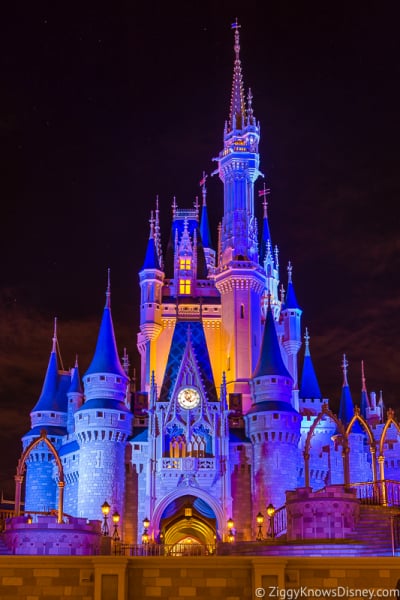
[(184, 286), (185, 264)]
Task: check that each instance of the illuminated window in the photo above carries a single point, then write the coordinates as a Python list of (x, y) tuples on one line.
[(185, 264), (184, 286)]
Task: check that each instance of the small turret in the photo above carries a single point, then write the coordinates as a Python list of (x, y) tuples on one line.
[(75, 397), (291, 315), (346, 407), (49, 414)]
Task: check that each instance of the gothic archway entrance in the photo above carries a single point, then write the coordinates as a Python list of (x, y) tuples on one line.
[(188, 523)]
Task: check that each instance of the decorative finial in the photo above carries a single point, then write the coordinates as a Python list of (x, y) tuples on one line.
[(289, 270), (174, 206), (54, 349), (202, 184), (263, 194), (282, 293), (363, 384), (151, 221), (276, 250), (345, 364), (307, 342), (108, 292), (196, 205), (76, 361)]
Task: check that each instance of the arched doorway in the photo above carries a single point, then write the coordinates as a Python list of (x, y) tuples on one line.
[(188, 523)]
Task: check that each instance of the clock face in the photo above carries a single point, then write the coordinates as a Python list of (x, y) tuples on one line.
[(189, 398)]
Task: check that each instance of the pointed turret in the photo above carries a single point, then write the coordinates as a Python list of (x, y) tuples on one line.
[(151, 260), (105, 377), (270, 361), (309, 387), (75, 396), (291, 315), (48, 397), (364, 394), (346, 407)]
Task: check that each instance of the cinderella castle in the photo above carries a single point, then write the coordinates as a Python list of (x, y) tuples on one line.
[(229, 418)]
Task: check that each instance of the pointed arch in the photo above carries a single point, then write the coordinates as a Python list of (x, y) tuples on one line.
[(381, 458), (19, 477), (326, 412), (372, 442), (184, 491)]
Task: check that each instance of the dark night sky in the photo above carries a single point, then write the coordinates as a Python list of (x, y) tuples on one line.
[(105, 106)]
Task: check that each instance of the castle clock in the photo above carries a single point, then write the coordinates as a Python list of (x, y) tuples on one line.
[(188, 398)]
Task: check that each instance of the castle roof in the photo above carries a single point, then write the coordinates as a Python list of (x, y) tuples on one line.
[(270, 361), (106, 359), (309, 387), (76, 385)]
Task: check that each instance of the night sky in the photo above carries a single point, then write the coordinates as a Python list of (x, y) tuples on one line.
[(105, 106)]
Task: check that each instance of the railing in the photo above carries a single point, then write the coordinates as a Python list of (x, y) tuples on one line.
[(379, 493), (165, 550), (187, 463), (280, 521)]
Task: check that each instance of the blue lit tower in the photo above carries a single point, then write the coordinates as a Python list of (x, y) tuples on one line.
[(272, 424), (239, 277), (102, 426), (151, 279), (49, 414), (291, 317)]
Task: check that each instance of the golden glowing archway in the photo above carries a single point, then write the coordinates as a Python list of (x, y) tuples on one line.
[(19, 477)]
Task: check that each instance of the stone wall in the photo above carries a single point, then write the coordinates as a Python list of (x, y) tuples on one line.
[(330, 513), (203, 578)]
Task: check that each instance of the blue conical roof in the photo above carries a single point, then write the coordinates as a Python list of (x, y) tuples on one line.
[(265, 238), (205, 228), (151, 259), (346, 407), (106, 359), (48, 396), (270, 361), (309, 387), (291, 300), (76, 385)]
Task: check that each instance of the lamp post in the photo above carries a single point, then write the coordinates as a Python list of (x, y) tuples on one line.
[(271, 514), (145, 534), (105, 509), (260, 521), (115, 536), (231, 535)]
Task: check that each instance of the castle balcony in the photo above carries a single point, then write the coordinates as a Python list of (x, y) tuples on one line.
[(185, 464)]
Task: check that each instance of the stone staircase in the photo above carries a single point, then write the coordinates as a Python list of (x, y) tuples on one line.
[(375, 528)]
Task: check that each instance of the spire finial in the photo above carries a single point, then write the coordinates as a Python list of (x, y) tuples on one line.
[(54, 348), (238, 111), (174, 206), (202, 184), (363, 383), (76, 361), (151, 221), (263, 194), (282, 294), (345, 364), (108, 292), (289, 270), (307, 342)]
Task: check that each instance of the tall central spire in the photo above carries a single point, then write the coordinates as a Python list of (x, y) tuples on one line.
[(237, 113)]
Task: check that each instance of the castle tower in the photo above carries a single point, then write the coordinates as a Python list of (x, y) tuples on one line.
[(291, 315), (239, 277), (75, 397), (151, 279), (273, 425), (102, 426), (49, 414)]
